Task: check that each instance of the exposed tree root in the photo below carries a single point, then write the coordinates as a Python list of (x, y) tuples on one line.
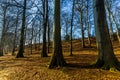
[(112, 66), (57, 62), (19, 56)]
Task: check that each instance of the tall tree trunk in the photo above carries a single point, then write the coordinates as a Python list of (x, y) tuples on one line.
[(45, 19), (3, 30), (57, 58), (15, 34), (48, 27), (87, 20), (35, 42), (21, 46), (111, 28), (71, 24), (106, 57), (48, 37), (82, 29), (39, 34), (116, 26), (108, 6), (31, 40)]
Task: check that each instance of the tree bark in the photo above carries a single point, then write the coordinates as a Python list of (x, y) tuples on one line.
[(87, 23), (48, 37), (48, 23), (45, 19), (21, 46), (71, 24), (31, 40), (15, 34), (3, 30), (82, 29), (106, 57), (116, 26), (57, 59)]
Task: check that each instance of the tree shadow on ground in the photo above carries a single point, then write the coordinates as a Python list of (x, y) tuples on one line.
[(81, 60), (81, 65)]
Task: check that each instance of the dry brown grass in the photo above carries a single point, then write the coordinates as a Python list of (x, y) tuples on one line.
[(33, 67)]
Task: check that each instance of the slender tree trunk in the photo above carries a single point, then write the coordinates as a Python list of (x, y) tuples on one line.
[(116, 26), (44, 52), (15, 34), (71, 24), (82, 29), (31, 40), (3, 30), (39, 34), (108, 6), (111, 28), (21, 46), (48, 27), (45, 17), (48, 37), (66, 26), (35, 42), (87, 19), (106, 57), (57, 58)]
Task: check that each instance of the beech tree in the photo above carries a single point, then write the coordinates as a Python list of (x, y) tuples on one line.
[(57, 58), (106, 57)]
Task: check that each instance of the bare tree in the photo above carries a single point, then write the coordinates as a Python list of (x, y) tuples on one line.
[(113, 19), (21, 46), (106, 57), (72, 19), (80, 9), (4, 7), (57, 58), (45, 20), (87, 22), (15, 33)]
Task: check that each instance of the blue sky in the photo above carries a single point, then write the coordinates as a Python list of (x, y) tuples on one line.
[(67, 8)]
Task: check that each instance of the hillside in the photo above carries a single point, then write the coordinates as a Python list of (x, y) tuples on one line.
[(33, 67)]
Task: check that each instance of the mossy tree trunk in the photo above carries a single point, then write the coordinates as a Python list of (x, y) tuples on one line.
[(21, 46), (57, 59), (106, 57)]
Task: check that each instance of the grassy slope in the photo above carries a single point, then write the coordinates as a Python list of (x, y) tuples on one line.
[(33, 67)]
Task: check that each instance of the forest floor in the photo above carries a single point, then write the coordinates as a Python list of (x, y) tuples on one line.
[(33, 67)]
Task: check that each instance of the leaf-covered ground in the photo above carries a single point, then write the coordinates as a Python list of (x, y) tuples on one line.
[(33, 67)]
